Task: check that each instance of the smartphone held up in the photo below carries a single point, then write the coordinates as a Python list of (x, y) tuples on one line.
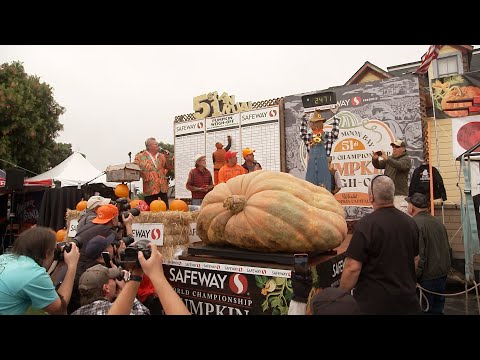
[(300, 264)]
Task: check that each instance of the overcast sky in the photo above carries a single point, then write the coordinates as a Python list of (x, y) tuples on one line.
[(117, 96)]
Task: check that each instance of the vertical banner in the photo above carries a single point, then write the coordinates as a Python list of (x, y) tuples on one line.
[(189, 141), (371, 116), (465, 134), (260, 131)]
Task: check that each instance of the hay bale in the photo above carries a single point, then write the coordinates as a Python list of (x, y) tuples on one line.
[(176, 226)]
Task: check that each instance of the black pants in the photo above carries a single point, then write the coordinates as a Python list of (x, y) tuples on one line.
[(162, 196), (476, 205)]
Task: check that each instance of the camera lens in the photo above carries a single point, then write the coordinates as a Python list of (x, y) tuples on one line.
[(134, 211), (128, 240)]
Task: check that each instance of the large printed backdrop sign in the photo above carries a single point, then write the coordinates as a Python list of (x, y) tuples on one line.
[(465, 134), (371, 116)]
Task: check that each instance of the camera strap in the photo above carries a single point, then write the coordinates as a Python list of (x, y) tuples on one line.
[(52, 267)]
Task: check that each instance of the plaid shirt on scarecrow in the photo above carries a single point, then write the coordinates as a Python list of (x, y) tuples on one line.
[(330, 136)]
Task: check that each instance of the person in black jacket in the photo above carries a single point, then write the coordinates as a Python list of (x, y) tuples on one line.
[(420, 182)]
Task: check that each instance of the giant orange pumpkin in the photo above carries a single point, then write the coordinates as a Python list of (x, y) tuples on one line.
[(178, 205), (121, 190), (459, 93), (61, 234), (158, 205), (272, 212), (82, 205)]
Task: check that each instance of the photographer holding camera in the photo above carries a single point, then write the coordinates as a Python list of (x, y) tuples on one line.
[(104, 224), (24, 280), (148, 260), (99, 288), (397, 167)]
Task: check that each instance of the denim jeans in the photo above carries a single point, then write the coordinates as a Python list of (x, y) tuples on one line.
[(197, 201), (436, 302)]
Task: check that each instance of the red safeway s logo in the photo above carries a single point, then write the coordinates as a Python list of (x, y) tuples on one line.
[(156, 233), (200, 125), (238, 283), (357, 100), (273, 113)]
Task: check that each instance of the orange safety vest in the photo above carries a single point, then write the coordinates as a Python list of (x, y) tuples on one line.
[(219, 156)]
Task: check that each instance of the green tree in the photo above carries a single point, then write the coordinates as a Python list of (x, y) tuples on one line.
[(28, 120), (171, 149), (59, 152)]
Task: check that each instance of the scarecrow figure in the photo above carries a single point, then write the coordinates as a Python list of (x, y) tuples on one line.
[(319, 146)]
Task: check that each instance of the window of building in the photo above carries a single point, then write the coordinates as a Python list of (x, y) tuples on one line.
[(448, 64)]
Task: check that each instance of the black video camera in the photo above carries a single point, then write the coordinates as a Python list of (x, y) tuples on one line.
[(129, 256), (64, 247), (123, 207)]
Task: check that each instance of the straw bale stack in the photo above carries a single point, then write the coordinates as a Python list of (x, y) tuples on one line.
[(176, 228)]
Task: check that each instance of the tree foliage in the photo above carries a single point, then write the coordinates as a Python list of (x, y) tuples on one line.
[(29, 120), (59, 152), (171, 149)]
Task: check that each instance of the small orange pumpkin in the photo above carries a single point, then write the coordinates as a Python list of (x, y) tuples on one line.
[(158, 205), (134, 203), (178, 205), (82, 205), (61, 234), (121, 190)]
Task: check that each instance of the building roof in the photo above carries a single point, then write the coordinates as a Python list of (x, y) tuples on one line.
[(367, 68), (399, 70)]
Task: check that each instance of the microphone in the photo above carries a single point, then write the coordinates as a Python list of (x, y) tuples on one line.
[(165, 151)]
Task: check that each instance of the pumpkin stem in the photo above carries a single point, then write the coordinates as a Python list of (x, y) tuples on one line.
[(235, 203)]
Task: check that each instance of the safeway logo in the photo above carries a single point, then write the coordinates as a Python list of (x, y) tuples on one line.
[(200, 125), (238, 283), (273, 113), (356, 100), (148, 231), (156, 234)]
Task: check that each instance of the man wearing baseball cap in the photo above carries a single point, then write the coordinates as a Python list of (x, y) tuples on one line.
[(91, 211), (218, 157), (397, 166), (199, 180), (434, 251), (231, 168), (250, 164), (104, 224), (99, 287)]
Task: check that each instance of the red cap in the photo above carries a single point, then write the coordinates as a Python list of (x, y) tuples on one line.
[(230, 154)]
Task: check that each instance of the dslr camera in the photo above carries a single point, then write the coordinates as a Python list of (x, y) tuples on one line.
[(129, 256), (64, 247), (124, 209), (128, 240)]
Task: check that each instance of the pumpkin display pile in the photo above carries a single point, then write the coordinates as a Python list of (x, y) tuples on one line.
[(272, 212)]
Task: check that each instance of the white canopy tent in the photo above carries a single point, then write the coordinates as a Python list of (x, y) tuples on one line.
[(74, 171)]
